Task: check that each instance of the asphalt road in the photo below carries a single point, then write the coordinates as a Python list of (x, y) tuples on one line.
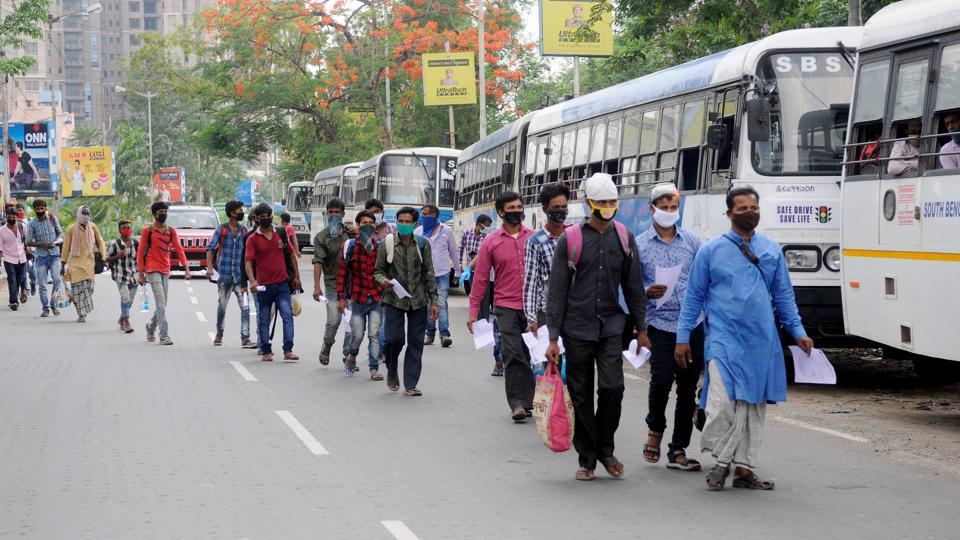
[(103, 435)]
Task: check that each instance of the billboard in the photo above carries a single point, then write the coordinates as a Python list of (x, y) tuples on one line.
[(559, 22), (247, 192), (88, 172), (169, 185), (449, 79), (360, 114), (32, 164)]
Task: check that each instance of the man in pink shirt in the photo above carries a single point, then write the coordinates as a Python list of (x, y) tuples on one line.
[(502, 251), (13, 249)]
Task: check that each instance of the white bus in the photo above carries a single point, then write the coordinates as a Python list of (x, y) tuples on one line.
[(409, 177), (335, 182), (297, 204), (770, 114), (901, 232)]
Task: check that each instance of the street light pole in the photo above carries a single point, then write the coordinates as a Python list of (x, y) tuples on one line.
[(149, 97)]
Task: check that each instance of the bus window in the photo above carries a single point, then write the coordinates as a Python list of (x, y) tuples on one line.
[(553, 160), (668, 128), (569, 141), (948, 109), (631, 135), (346, 192), (448, 175), (364, 187), (911, 90), (613, 139), (667, 166), (646, 166), (868, 116), (691, 137), (903, 155), (583, 146), (408, 179), (531, 159), (648, 137), (541, 155), (597, 142)]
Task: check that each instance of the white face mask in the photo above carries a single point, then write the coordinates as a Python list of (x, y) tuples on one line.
[(665, 219)]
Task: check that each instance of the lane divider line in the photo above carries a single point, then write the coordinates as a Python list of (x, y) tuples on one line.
[(301, 432), (828, 431), (243, 371), (189, 289), (399, 530), (201, 316), (193, 300)]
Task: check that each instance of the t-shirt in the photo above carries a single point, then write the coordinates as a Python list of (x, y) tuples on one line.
[(268, 256), (24, 159), (159, 243)]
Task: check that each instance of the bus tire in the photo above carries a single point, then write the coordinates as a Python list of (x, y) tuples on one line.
[(935, 370)]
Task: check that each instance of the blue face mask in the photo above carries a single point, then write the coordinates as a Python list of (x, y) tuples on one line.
[(429, 224), (334, 222)]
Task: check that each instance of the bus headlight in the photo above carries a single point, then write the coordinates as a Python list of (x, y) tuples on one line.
[(831, 259), (802, 258)]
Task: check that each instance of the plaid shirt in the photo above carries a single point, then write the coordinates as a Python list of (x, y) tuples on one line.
[(470, 243), (538, 259), (360, 266), (125, 269), (231, 246), (47, 230)]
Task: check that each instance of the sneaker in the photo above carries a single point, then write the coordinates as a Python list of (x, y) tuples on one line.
[(165, 340), (289, 356), (13, 307), (445, 341), (82, 318), (268, 357), (247, 344), (151, 336), (218, 340), (349, 364), (127, 329), (428, 340), (46, 313), (55, 311), (33, 290)]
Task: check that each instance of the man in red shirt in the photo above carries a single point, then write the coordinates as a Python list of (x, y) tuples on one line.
[(271, 265), (355, 282), (503, 251), (153, 260)]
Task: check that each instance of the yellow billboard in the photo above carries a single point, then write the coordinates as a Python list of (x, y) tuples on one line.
[(87, 172), (360, 114), (449, 79), (559, 22)]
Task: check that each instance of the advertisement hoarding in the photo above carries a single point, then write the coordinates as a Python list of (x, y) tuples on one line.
[(449, 79), (88, 172), (559, 22), (360, 114), (32, 159), (169, 185), (247, 192)]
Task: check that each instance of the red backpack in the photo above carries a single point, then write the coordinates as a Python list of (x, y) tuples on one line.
[(574, 235)]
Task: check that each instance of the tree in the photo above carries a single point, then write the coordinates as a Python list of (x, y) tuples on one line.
[(25, 21), (86, 135)]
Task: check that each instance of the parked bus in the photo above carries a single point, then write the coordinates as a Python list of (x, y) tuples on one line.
[(409, 177), (297, 204), (771, 114), (901, 217), (335, 182)]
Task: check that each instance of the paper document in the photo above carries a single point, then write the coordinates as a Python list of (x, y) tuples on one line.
[(537, 344), (323, 299), (399, 290), (345, 320), (215, 277), (636, 357), (668, 277), (482, 334), (813, 369)]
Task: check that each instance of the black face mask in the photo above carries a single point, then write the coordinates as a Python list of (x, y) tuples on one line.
[(265, 222), (161, 218), (239, 216), (40, 215), (11, 221), (746, 221), (557, 216), (513, 218)]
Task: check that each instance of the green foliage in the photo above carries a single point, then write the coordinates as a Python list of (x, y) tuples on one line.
[(26, 20), (85, 135)]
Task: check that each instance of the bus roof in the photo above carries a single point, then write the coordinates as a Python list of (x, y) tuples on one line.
[(498, 137), (722, 67), (910, 19), (424, 151), (335, 172), (299, 183)]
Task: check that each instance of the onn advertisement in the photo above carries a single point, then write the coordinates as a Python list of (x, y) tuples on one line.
[(88, 172), (32, 153), (169, 185), (561, 19), (449, 79)]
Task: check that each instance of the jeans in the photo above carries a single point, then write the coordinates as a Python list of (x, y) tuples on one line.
[(412, 359), (31, 272), (443, 291), (225, 289), (362, 313), (16, 277), (383, 332), (279, 294), (593, 431), (517, 373), (663, 372), (334, 318), (160, 285), (128, 293), (47, 266)]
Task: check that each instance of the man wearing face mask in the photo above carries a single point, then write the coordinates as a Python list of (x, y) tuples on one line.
[(355, 280), (470, 241), (950, 152), (380, 223), (444, 249), (122, 258), (538, 255), (157, 241), (327, 254), (225, 253), (584, 307), (44, 236), (82, 239), (666, 245), (503, 252), (740, 281), (13, 249), (904, 155)]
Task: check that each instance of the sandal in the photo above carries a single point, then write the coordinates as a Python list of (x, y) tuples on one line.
[(584, 474), (393, 384), (412, 392), (497, 371), (613, 466), (652, 453), (752, 481), (717, 477), (376, 376), (678, 460)]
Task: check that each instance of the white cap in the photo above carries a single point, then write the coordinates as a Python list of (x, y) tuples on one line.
[(600, 187), (665, 188)]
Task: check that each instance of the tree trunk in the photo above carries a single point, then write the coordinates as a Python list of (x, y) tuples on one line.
[(853, 13)]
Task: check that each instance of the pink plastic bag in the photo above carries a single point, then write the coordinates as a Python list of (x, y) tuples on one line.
[(553, 410)]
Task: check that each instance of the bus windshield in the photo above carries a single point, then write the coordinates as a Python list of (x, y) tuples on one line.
[(809, 96), (298, 198), (349, 178), (408, 180)]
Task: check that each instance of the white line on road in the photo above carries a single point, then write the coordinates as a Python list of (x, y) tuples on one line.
[(189, 289), (301, 432), (804, 425), (193, 300), (201, 316), (243, 371), (632, 376), (399, 530), (212, 335)]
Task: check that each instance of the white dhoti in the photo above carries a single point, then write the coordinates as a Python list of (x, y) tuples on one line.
[(733, 429)]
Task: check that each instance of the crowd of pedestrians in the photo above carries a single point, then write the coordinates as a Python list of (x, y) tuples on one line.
[(592, 283)]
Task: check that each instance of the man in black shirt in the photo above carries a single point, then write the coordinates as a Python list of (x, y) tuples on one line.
[(25, 170), (583, 306)]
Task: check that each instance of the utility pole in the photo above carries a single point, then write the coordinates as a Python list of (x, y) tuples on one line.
[(453, 133), (149, 97), (6, 147), (386, 78), (482, 66), (576, 76), (853, 13)]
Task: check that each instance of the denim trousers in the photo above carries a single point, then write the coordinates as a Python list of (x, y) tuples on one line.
[(47, 266), (334, 318), (366, 318), (160, 284), (225, 290), (128, 293), (277, 294), (443, 291), (416, 322)]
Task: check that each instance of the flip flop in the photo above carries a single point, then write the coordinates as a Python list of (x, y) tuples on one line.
[(613, 466), (584, 474), (752, 481), (717, 477)]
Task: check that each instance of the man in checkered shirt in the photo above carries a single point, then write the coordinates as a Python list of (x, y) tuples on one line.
[(471, 238), (538, 255)]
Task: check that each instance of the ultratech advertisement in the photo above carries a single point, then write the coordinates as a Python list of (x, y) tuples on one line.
[(559, 22), (88, 172), (31, 147), (449, 79)]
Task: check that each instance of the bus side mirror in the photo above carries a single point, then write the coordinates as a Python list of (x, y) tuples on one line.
[(717, 136), (283, 202), (758, 120)]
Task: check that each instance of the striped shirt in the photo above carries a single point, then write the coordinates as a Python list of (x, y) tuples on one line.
[(470, 243), (538, 258), (124, 270), (42, 231)]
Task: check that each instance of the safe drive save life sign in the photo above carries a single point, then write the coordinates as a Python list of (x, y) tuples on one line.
[(559, 22), (449, 79)]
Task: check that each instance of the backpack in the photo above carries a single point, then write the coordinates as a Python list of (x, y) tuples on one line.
[(169, 235), (120, 247), (224, 231), (391, 242), (574, 234)]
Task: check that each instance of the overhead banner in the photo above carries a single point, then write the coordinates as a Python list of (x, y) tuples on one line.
[(169, 184), (559, 22), (360, 114), (449, 79), (88, 172), (32, 153)]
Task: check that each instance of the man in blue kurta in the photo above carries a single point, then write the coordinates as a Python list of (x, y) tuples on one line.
[(741, 282)]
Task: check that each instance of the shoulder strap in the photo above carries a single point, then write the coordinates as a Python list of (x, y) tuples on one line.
[(348, 249), (574, 234), (421, 242), (391, 242), (624, 233)]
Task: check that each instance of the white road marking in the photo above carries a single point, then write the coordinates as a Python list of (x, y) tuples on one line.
[(193, 300), (632, 377), (201, 316), (243, 371), (301, 432), (798, 423), (212, 335), (399, 530), (189, 289)]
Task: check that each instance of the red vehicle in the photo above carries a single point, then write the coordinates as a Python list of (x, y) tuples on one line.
[(195, 226)]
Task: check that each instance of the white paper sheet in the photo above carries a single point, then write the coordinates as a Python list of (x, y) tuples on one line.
[(813, 369), (215, 277), (537, 344), (482, 334), (667, 276), (636, 357), (345, 320), (323, 299), (398, 288)]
